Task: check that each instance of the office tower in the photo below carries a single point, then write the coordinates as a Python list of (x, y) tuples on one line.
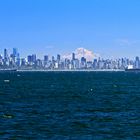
[(46, 58), (66, 63), (33, 58), (38, 63), (29, 58), (0, 56), (83, 62), (12, 58), (53, 59), (18, 62), (23, 62), (73, 56), (72, 61), (89, 65), (15, 52), (58, 58), (101, 64), (5, 55), (1, 61), (95, 64), (53, 62), (18, 56), (75, 64), (137, 63), (83, 59)]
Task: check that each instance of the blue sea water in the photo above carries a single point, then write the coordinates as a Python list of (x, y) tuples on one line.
[(70, 106)]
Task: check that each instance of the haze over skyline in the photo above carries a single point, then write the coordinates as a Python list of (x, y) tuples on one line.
[(109, 28)]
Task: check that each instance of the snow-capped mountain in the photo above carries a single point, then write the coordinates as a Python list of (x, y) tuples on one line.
[(82, 52)]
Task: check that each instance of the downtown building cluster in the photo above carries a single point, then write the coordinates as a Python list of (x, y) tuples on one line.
[(13, 60)]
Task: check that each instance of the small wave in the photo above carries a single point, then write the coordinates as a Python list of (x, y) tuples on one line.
[(6, 81)]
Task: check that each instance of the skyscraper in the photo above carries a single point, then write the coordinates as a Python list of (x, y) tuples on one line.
[(46, 58), (5, 54), (29, 58), (53, 59), (83, 62), (73, 56), (137, 62), (58, 58), (34, 58), (15, 52)]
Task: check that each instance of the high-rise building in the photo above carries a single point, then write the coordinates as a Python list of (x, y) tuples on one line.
[(46, 58), (95, 64), (38, 63), (58, 58), (0, 56), (5, 54), (137, 62), (33, 58), (18, 61), (53, 59), (73, 56), (83, 62), (29, 58), (14, 60), (23, 62), (15, 52), (75, 64)]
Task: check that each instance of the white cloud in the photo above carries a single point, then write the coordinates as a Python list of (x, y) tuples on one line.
[(127, 42), (49, 47)]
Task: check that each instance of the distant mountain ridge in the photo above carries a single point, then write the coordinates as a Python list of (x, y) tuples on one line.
[(82, 52)]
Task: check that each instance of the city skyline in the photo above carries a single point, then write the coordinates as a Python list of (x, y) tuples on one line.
[(70, 69), (77, 61), (109, 28), (68, 55)]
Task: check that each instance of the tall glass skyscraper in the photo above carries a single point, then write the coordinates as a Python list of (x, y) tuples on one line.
[(58, 57), (15, 52), (5, 54), (73, 56)]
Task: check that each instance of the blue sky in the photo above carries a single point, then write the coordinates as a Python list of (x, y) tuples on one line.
[(108, 27)]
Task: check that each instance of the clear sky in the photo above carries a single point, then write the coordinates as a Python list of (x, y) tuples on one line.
[(108, 27)]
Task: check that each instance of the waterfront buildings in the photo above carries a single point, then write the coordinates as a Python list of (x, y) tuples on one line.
[(14, 60)]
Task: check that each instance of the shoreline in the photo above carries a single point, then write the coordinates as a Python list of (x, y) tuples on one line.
[(111, 70)]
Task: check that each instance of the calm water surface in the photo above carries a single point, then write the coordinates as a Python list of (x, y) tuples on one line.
[(70, 105)]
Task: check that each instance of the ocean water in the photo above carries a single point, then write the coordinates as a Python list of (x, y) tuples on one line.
[(70, 106)]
